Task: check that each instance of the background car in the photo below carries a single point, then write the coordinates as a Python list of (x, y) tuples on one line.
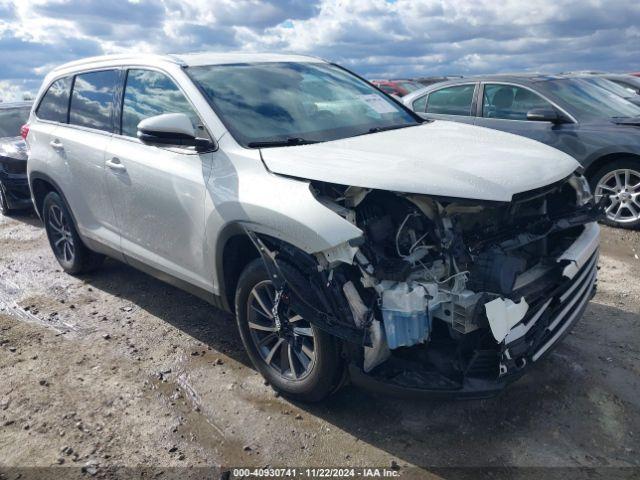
[(14, 187), (598, 128), (603, 81), (399, 88), (630, 82), (426, 81)]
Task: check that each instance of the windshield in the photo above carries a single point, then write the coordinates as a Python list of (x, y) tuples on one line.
[(611, 86), (11, 119), (589, 99), (295, 103)]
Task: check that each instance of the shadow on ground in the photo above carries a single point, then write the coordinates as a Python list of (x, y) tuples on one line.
[(578, 407)]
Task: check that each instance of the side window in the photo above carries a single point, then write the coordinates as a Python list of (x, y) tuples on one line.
[(92, 99), (420, 104), (147, 94), (455, 100), (510, 102), (55, 103)]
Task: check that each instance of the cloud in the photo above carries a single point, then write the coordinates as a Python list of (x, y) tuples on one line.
[(376, 38)]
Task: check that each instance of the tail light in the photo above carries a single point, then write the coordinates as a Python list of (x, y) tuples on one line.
[(24, 131)]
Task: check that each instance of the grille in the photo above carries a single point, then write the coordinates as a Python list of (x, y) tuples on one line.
[(555, 315)]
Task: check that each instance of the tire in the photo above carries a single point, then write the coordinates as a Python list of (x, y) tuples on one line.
[(626, 200), (4, 203), (310, 381), (72, 254)]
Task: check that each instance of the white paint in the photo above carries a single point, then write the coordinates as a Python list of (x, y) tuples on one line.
[(504, 314), (439, 158), (581, 250)]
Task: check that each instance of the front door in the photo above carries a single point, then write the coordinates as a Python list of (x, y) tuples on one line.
[(159, 193), (505, 107)]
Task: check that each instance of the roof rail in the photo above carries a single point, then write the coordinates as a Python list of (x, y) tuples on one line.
[(102, 58)]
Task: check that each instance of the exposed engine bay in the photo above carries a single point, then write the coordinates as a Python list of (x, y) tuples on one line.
[(443, 294)]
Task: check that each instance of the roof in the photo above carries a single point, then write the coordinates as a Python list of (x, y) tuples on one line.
[(187, 59), (15, 105)]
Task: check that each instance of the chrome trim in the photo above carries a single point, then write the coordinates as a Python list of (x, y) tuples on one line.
[(566, 325), (575, 299), (521, 329), (577, 282)]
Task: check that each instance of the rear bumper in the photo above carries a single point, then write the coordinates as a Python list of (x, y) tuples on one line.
[(547, 322)]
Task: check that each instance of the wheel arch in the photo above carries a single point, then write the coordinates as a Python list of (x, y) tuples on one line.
[(603, 160), (234, 252)]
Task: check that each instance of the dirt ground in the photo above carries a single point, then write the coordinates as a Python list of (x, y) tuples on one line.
[(118, 369)]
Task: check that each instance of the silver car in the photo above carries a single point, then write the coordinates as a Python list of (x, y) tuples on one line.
[(352, 239)]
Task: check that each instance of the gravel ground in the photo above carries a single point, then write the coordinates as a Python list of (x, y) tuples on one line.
[(118, 369)]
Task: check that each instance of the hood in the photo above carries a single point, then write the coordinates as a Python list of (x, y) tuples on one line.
[(439, 158)]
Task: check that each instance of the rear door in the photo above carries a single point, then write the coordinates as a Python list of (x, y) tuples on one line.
[(82, 145), (159, 193), (504, 106), (452, 102), (52, 111)]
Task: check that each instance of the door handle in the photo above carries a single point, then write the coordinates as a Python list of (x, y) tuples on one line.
[(116, 165), (56, 144)]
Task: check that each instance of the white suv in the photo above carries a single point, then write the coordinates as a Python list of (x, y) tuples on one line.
[(352, 239)]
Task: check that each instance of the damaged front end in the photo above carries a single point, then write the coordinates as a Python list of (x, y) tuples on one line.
[(444, 296)]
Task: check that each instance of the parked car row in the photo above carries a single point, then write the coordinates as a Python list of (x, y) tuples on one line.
[(585, 115), (351, 238)]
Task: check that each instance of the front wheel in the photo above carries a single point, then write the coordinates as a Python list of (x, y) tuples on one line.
[(299, 360), (619, 182)]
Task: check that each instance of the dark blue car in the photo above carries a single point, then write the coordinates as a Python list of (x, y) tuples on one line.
[(14, 187), (597, 127)]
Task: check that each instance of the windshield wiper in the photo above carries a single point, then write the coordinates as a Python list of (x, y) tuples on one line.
[(281, 143), (391, 127)]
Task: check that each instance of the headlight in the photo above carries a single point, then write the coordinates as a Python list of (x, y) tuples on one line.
[(582, 188)]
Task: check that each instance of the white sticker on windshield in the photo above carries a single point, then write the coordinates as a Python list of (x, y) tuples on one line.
[(379, 104)]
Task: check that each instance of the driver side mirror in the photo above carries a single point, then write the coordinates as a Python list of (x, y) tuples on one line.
[(172, 129), (545, 115)]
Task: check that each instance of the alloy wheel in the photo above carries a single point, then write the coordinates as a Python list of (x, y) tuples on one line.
[(61, 236), (622, 187), (287, 346)]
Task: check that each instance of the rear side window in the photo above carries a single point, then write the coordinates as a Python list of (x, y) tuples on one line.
[(451, 100), (55, 103), (147, 94), (92, 99)]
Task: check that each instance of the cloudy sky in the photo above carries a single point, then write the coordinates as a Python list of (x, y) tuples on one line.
[(376, 38)]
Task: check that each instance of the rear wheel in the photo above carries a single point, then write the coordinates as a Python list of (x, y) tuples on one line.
[(72, 255), (619, 182), (296, 358)]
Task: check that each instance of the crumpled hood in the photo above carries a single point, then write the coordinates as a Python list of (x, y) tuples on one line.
[(439, 158)]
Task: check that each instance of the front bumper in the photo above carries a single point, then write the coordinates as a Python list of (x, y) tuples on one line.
[(549, 319)]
